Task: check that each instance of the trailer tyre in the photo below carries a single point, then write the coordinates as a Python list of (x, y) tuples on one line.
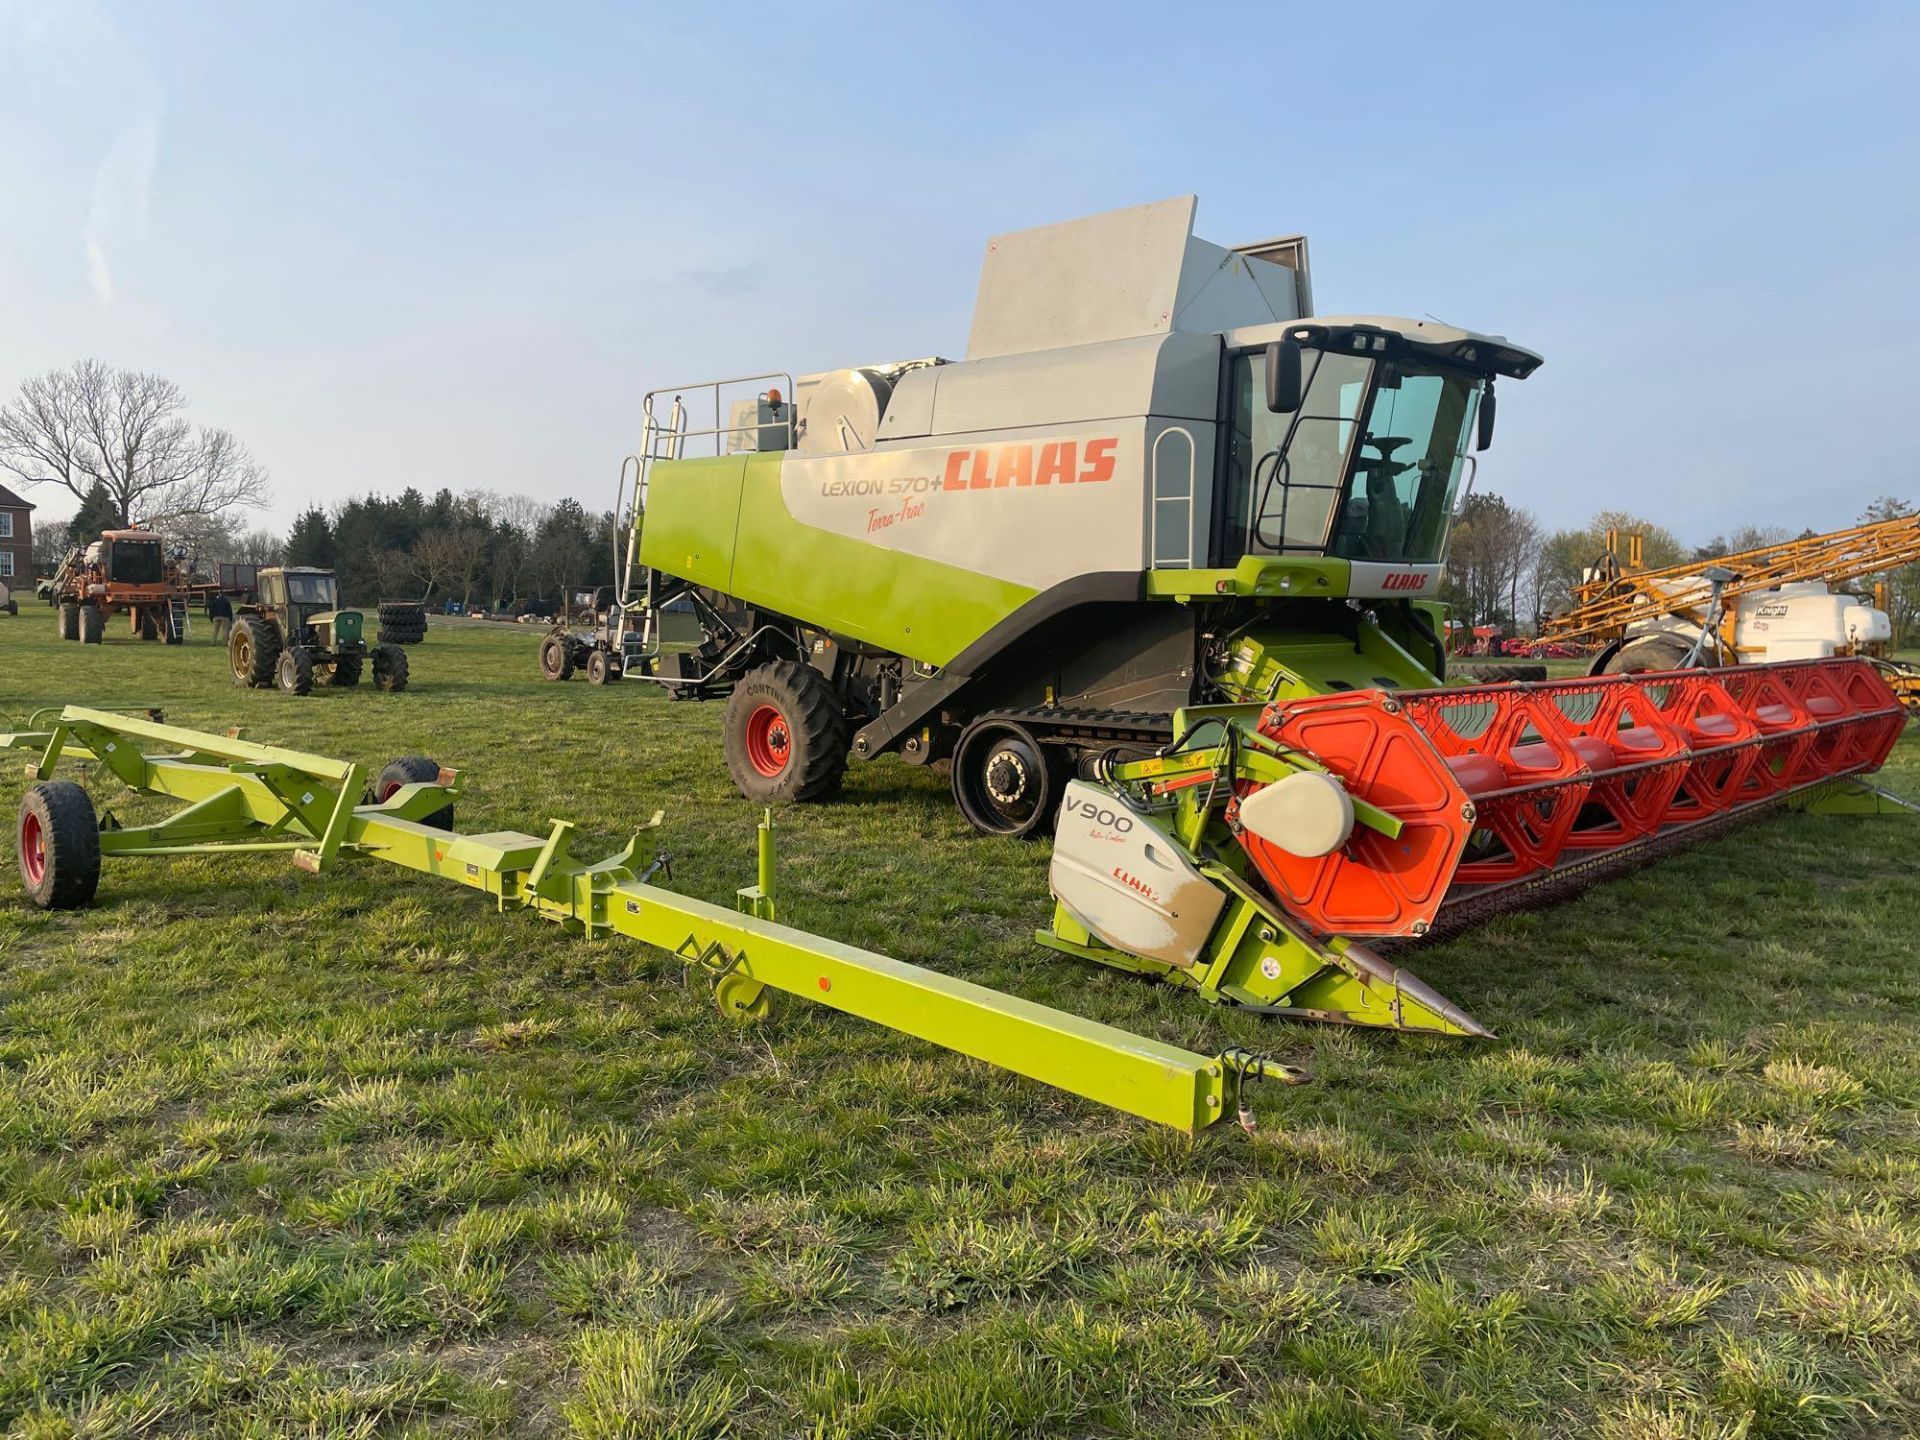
[(556, 658), (1005, 781), (389, 668), (294, 673), (69, 621), (1648, 656), (411, 770), (59, 845), (254, 652), (786, 735), (93, 625)]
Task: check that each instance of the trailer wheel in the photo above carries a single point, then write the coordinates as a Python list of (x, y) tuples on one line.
[(346, 671), (59, 843), (389, 669), (1647, 656), (411, 770), (93, 625), (1005, 781), (253, 651), (294, 673), (556, 658), (786, 734), (602, 668), (69, 620)]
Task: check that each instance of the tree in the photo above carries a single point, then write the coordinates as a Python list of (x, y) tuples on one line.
[(96, 513), (1489, 561), (123, 431), (310, 542), (564, 548), (1903, 583)]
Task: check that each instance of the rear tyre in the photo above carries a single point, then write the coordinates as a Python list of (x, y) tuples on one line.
[(556, 658), (1648, 656), (411, 770), (294, 673), (59, 845), (389, 668), (69, 621), (346, 671), (1005, 781), (253, 651), (786, 735), (93, 624)]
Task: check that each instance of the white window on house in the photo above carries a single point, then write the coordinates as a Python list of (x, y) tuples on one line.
[(6, 525), (6, 563)]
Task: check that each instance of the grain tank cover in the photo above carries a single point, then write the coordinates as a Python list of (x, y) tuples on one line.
[(843, 410), (1138, 271)]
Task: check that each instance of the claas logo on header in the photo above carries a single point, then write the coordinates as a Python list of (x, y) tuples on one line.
[(1058, 462)]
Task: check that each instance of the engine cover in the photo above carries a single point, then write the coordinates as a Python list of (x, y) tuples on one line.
[(1127, 882)]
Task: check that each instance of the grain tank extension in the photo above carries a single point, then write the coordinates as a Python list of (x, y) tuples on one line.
[(1157, 480)]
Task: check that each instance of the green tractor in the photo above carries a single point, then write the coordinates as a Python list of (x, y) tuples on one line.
[(296, 634)]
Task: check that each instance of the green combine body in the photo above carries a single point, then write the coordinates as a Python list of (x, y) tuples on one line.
[(1156, 481)]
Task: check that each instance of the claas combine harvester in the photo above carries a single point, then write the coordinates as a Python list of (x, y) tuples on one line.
[(1154, 566)]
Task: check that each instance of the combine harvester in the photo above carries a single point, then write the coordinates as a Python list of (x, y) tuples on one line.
[(1157, 560)]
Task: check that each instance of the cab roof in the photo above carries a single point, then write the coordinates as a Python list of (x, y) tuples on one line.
[(1431, 339)]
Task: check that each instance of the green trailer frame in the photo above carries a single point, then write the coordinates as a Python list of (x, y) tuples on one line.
[(245, 798)]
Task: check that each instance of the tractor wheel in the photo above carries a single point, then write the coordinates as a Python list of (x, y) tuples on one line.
[(346, 671), (786, 734), (69, 621), (601, 668), (253, 651), (59, 841), (411, 770), (93, 624), (1648, 656), (556, 658), (389, 668), (294, 673), (149, 627), (1006, 781)]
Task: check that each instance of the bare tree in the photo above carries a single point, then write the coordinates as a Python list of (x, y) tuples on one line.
[(451, 558), (125, 430)]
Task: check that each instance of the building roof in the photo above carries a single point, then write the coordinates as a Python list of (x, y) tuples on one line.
[(11, 501)]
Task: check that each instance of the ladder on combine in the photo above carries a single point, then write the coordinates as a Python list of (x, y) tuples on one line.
[(639, 642), (178, 622)]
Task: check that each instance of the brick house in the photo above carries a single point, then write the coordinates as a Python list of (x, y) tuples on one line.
[(16, 542)]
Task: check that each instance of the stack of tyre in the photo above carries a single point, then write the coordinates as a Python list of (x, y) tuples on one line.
[(402, 622)]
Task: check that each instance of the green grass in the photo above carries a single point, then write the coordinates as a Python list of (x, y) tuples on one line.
[(356, 1156)]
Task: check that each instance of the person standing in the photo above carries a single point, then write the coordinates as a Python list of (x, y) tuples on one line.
[(220, 612)]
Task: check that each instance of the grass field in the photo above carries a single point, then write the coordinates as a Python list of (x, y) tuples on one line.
[(354, 1156)]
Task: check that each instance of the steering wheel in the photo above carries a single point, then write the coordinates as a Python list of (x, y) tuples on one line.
[(1384, 461)]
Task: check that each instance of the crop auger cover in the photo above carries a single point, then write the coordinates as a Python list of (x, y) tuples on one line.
[(1447, 804)]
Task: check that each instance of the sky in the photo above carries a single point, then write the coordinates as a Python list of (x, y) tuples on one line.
[(441, 244)]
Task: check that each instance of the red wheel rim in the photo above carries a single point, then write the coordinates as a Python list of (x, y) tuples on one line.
[(769, 744), (33, 848), (387, 791)]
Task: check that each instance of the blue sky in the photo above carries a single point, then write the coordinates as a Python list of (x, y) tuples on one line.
[(441, 244)]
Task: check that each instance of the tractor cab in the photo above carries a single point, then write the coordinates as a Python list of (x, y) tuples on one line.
[(305, 596), (132, 557), (1350, 437)]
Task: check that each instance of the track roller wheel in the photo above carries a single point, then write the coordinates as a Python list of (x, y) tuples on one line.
[(294, 672), (742, 999), (556, 658), (410, 770), (389, 668), (786, 734), (59, 845), (1005, 781)]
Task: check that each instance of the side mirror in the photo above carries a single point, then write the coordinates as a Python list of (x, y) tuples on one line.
[(1485, 437), (1283, 376)]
